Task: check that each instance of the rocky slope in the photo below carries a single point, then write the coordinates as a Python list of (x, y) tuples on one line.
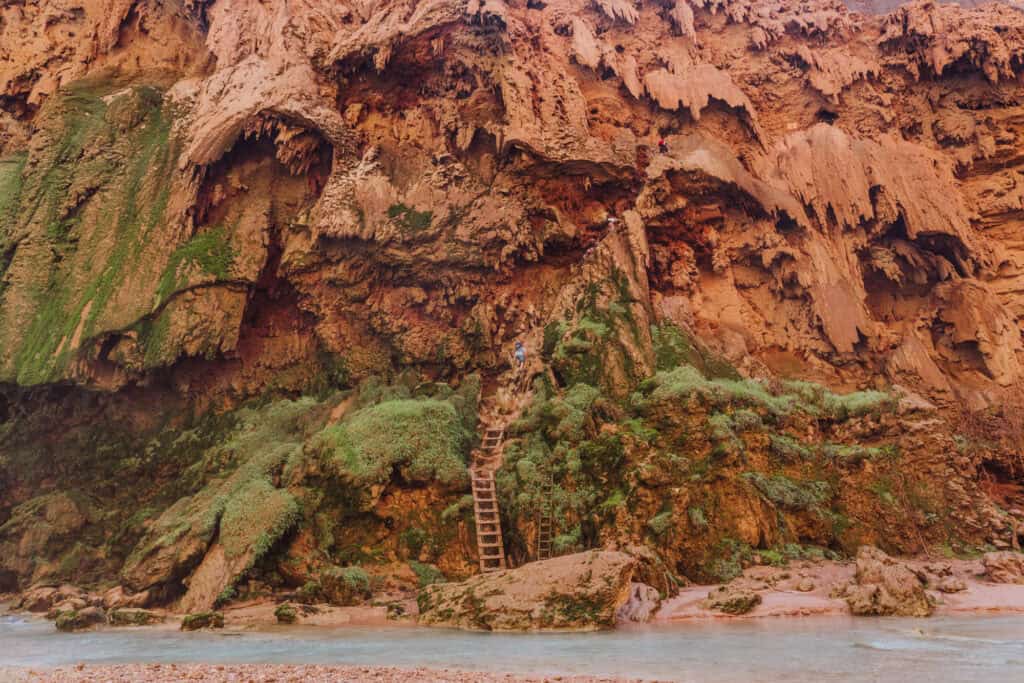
[(261, 261)]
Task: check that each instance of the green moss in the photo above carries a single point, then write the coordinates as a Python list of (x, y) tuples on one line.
[(209, 250), (345, 585), (255, 517), (790, 493), (414, 538), (194, 622), (11, 181), (425, 438), (661, 523), (427, 574), (687, 382), (118, 169), (788, 449), (410, 220), (286, 614)]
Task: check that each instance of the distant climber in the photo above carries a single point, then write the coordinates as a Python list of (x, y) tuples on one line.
[(662, 146), (520, 355)]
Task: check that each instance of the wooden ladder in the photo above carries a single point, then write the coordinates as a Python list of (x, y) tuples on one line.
[(546, 520), (489, 542)]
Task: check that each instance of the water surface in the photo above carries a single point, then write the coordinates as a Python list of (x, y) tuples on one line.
[(794, 650)]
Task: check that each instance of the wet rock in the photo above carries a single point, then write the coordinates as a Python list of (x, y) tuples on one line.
[(643, 602), (885, 586), (194, 622), (732, 600), (580, 592), (1004, 567), (77, 620), (133, 617)]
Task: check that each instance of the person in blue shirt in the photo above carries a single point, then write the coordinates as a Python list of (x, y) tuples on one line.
[(520, 354)]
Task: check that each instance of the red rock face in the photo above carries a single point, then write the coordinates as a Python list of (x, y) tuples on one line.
[(360, 187)]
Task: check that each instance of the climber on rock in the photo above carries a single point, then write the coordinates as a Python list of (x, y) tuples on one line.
[(662, 146), (520, 355)]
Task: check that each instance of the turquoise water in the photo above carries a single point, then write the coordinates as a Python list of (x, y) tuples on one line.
[(791, 650)]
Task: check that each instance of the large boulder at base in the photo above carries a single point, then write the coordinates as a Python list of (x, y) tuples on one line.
[(885, 586), (1004, 567), (580, 592)]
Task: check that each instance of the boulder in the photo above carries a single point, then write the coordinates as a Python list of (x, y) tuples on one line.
[(805, 585), (1004, 567), (732, 600), (643, 602), (884, 586), (118, 597), (580, 592), (133, 617), (194, 622), (951, 584), (77, 620)]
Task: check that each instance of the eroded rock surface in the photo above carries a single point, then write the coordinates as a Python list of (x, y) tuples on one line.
[(277, 252)]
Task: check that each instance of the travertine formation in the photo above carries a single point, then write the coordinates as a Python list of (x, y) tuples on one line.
[(203, 202)]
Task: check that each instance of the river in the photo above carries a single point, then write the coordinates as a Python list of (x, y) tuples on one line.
[(794, 650)]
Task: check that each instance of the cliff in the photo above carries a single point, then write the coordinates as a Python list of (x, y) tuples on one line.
[(272, 251)]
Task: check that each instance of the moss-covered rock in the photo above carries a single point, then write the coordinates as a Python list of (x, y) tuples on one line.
[(286, 614), (345, 585), (200, 620), (133, 617), (76, 620)]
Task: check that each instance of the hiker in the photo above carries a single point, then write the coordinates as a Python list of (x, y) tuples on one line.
[(613, 223), (520, 355), (662, 146)]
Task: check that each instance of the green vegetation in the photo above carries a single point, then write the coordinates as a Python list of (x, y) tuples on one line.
[(686, 382), (345, 585), (661, 523), (11, 181), (96, 191), (425, 438), (286, 614), (194, 622), (427, 574), (789, 493), (210, 251), (409, 219), (673, 348)]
